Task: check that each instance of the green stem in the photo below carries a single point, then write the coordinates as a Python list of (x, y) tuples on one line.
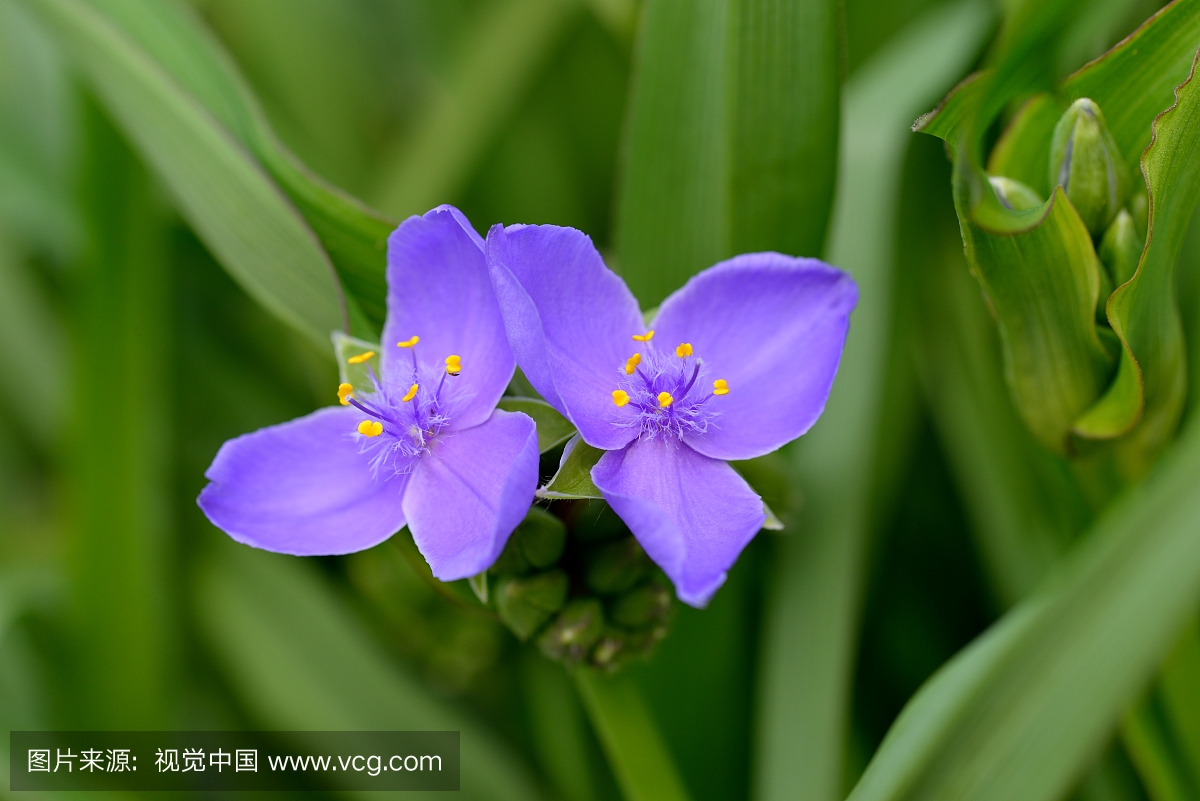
[(635, 749)]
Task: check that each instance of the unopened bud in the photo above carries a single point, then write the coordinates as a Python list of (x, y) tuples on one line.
[(616, 567), (617, 647), (526, 604), (574, 631), (642, 607), (1139, 209), (536, 543), (1121, 247), (1086, 161), (1014, 194)]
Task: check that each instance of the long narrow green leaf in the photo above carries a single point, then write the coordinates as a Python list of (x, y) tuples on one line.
[(813, 609), (300, 661), (732, 136), (353, 235), (241, 215), (1020, 712), (120, 444)]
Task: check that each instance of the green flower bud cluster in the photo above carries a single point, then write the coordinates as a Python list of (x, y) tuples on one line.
[(592, 597)]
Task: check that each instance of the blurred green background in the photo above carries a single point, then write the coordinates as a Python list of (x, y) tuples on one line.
[(128, 355)]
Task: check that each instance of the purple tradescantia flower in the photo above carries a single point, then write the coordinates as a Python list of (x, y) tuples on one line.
[(736, 364), (426, 447)]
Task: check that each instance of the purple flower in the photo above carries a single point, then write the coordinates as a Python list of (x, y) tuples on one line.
[(736, 364), (423, 447)]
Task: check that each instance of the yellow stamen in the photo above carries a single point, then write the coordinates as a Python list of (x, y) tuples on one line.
[(646, 337), (620, 397), (632, 363), (665, 399), (720, 387), (345, 391), (684, 350), (360, 358), (453, 364), (410, 342), (412, 393), (370, 428)]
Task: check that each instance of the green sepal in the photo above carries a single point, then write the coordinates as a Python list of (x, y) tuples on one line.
[(346, 347), (642, 606), (479, 586), (552, 428), (574, 476)]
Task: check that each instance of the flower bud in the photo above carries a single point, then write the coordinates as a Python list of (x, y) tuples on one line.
[(641, 607), (526, 604), (1086, 161), (618, 647), (537, 543), (1014, 194), (1121, 247), (616, 566), (574, 631), (1139, 207)]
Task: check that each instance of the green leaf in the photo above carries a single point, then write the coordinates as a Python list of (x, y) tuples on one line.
[(553, 429), (574, 476), (1043, 286), (812, 611), (1151, 382), (235, 208), (354, 236), (1020, 712), (640, 759), (731, 139), (300, 661)]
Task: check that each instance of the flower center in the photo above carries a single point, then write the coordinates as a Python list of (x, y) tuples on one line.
[(405, 415), (666, 394)]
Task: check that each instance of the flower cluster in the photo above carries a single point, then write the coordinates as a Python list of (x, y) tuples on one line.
[(734, 365)]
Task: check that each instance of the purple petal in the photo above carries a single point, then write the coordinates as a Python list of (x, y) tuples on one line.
[(692, 514), (773, 327), (570, 321), (467, 496), (302, 488), (439, 290)]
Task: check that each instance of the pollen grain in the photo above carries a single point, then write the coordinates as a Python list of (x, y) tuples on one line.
[(345, 391), (360, 358), (370, 428), (632, 362), (665, 399), (453, 364), (720, 387), (620, 397), (684, 350), (410, 342), (412, 393), (646, 337)]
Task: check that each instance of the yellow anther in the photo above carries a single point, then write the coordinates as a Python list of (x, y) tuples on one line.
[(684, 350), (370, 428), (620, 397), (646, 337), (410, 342), (412, 393), (632, 362), (345, 391), (453, 364), (360, 358), (720, 387), (665, 399)]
